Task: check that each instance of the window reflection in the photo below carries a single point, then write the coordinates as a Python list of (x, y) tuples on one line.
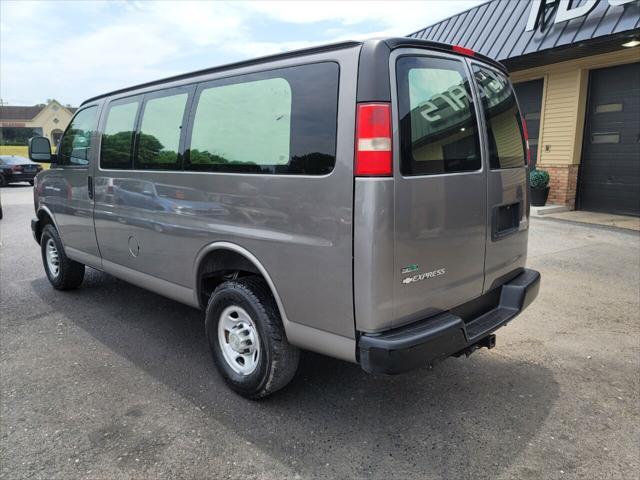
[(159, 136), (438, 125), (504, 126), (75, 146), (281, 121), (117, 140)]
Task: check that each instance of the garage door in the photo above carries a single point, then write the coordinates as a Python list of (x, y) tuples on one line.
[(610, 169)]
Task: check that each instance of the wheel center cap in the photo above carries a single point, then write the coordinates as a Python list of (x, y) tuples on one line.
[(234, 341)]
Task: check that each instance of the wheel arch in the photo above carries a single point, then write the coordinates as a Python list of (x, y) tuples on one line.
[(302, 336), (45, 217), (220, 258)]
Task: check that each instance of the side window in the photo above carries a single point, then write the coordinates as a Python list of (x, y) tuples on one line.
[(160, 129), (278, 122), (117, 139), (75, 146), (504, 125), (438, 124)]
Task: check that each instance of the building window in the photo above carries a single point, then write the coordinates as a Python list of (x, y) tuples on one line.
[(18, 136), (609, 108), (605, 138)]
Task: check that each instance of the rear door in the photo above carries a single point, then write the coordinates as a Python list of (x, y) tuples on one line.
[(440, 186), (507, 211)]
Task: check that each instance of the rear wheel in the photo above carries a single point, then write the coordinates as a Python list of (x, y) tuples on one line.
[(247, 339), (3, 181), (62, 272), (31, 182)]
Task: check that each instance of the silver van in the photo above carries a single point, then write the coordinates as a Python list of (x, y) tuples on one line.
[(364, 200)]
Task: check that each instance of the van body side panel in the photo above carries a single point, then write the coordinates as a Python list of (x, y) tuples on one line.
[(299, 227), (373, 252)]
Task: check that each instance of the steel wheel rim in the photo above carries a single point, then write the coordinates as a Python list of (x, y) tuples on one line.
[(239, 340), (53, 257)]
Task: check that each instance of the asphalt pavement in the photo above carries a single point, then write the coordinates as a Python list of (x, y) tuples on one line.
[(111, 382)]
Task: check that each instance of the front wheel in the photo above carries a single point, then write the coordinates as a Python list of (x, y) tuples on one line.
[(247, 339), (62, 272)]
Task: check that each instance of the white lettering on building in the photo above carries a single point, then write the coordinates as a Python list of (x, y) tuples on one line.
[(565, 12)]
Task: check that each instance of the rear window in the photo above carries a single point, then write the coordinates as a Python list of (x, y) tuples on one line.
[(504, 125), (438, 126), (277, 122)]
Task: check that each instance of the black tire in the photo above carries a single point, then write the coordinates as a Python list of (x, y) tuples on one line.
[(3, 181), (31, 182), (278, 360), (70, 273)]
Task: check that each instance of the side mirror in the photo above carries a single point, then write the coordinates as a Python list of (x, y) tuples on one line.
[(40, 149)]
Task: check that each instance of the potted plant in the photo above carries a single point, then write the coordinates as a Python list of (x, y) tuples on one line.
[(539, 181)]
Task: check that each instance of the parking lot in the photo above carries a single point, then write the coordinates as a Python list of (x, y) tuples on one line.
[(111, 381)]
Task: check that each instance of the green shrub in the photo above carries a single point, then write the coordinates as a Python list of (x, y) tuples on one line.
[(539, 179)]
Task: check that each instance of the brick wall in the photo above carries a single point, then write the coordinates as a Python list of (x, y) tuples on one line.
[(563, 183)]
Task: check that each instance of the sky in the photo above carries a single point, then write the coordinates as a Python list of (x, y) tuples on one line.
[(74, 50)]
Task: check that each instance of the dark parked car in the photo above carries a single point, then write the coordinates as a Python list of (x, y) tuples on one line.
[(17, 169)]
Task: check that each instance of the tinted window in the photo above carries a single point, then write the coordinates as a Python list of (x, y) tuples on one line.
[(282, 121), (504, 127), (75, 146), (160, 132), (117, 139), (438, 126)]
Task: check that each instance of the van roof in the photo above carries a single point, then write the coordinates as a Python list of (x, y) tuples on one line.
[(375, 47)]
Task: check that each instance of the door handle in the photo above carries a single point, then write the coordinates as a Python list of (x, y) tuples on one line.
[(90, 186)]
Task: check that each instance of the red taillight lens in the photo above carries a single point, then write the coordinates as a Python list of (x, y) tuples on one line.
[(17, 168), (525, 131), (373, 140), (463, 50)]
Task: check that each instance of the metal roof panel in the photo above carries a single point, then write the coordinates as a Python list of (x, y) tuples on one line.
[(497, 28)]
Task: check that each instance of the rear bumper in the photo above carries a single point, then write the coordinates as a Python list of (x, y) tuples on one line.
[(438, 337)]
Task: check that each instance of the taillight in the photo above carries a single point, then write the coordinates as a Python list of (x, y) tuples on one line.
[(16, 168), (463, 50), (525, 131), (373, 140)]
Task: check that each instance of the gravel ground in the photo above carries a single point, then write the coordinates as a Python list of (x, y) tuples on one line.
[(111, 381)]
